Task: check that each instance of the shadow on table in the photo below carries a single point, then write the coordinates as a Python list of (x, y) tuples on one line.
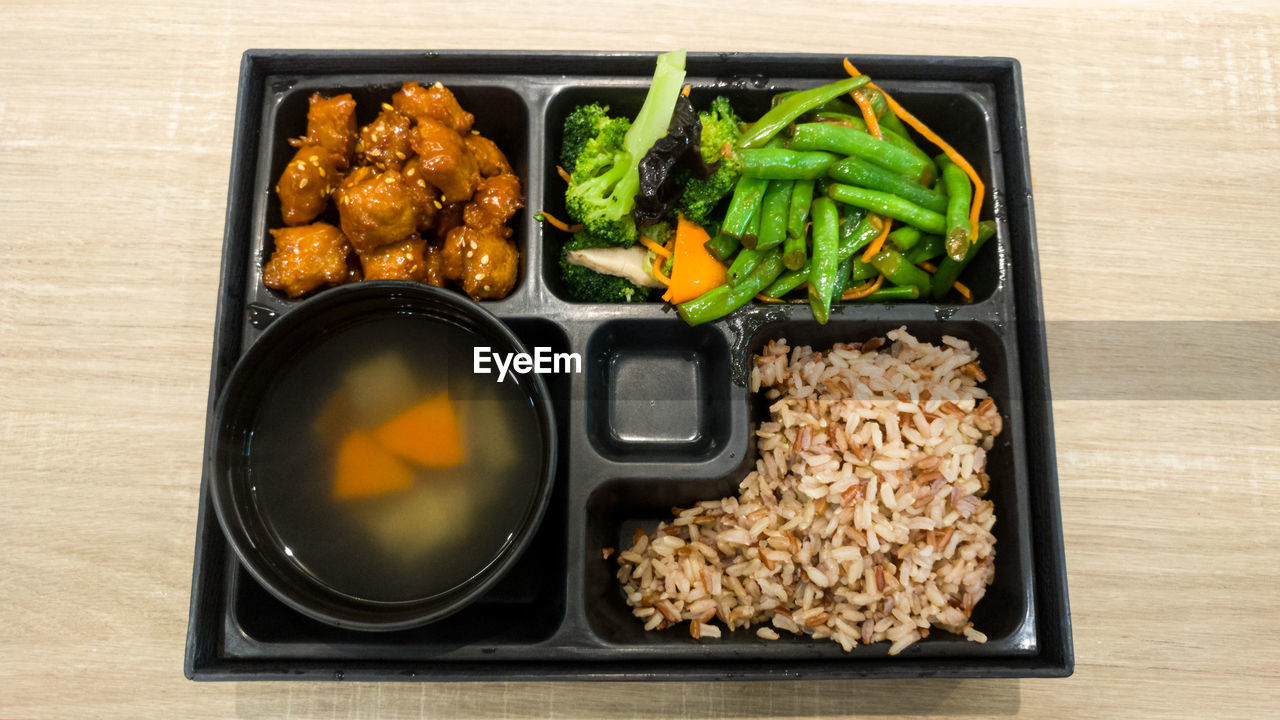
[(619, 700)]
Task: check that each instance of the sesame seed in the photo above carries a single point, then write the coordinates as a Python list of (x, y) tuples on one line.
[(434, 202), (302, 184), (314, 159), (475, 132), (438, 85), (422, 184), (486, 288), (302, 166), (387, 106), (328, 189), (399, 154), (321, 172), (484, 259), (388, 180), (469, 253), (409, 172)]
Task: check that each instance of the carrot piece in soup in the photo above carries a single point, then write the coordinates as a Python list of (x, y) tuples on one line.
[(365, 469), (427, 434)]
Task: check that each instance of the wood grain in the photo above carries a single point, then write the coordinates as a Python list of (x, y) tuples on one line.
[(1155, 137)]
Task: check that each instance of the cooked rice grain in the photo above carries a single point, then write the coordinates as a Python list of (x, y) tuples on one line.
[(864, 519)]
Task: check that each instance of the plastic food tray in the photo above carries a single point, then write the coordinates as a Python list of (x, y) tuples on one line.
[(660, 415)]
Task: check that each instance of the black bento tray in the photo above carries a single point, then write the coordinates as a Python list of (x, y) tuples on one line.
[(660, 416)]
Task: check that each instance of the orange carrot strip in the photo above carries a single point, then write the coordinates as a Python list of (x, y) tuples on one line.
[(927, 267), (693, 271), (655, 247), (963, 290), (427, 433), (564, 174), (863, 290), (657, 271), (878, 243), (366, 469), (868, 114), (559, 224), (978, 188), (685, 90)]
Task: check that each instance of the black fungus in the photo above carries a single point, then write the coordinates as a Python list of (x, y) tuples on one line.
[(668, 163)]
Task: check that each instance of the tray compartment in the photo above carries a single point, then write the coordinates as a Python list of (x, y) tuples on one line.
[(959, 111), (657, 390)]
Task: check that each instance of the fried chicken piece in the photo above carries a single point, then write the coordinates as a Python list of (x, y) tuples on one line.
[(385, 142), (449, 217), (453, 253), (331, 124), (446, 162), (403, 260), (489, 261), (436, 102), (425, 195), (379, 210), (488, 156), (434, 259), (306, 183), (496, 199), (306, 258)]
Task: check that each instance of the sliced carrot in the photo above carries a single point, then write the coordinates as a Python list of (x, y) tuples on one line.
[(657, 272), (885, 225), (564, 174), (685, 90), (927, 267), (655, 247), (863, 290), (427, 434), (868, 114), (366, 469), (559, 224), (978, 188), (963, 290), (693, 270)]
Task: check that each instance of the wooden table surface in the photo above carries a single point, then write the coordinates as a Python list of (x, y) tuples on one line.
[(1155, 139)]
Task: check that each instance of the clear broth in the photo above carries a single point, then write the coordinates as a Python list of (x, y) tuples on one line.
[(407, 544)]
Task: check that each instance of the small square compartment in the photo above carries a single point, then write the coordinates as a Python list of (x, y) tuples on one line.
[(653, 389)]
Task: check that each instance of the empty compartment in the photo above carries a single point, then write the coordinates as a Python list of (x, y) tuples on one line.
[(961, 113), (657, 390), (501, 115)]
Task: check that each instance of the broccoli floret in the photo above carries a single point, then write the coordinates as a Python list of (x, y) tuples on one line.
[(585, 285), (582, 126), (605, 178), (721, 129)]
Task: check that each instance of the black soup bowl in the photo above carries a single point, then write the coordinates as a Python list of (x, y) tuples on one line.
[(242, 486)]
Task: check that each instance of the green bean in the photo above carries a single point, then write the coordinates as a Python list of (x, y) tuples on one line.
[(773, 214), (850, 141), (837, 104), (897, 293), (842, 279), (743, 263), (897, 270), (959, 197), (720, 301), (949, 269), (856, 232), (780, 164), (723, 246), (929, 247), (788, 281), (891, 206), (822, 267), (746, 198), (905, 237), (895, 139), (752, 233), (794, 250), (793, 106), (862, 270), (856, 171)]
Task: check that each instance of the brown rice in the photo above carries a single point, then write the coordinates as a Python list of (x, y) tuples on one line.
[(864, 518)]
